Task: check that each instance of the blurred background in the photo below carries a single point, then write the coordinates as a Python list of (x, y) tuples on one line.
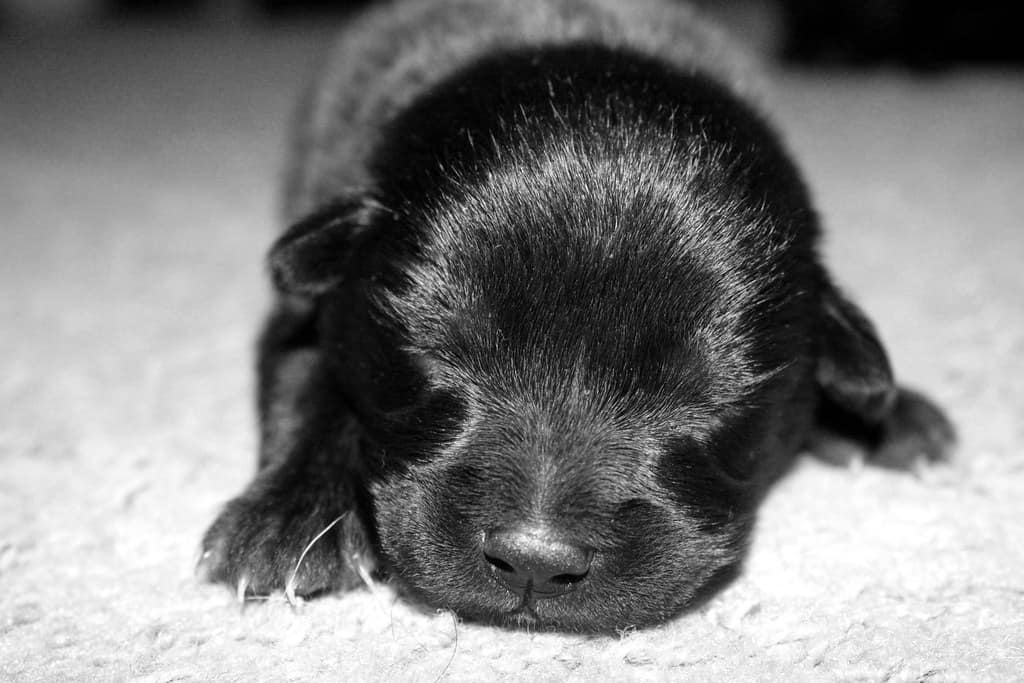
[(924, 34)]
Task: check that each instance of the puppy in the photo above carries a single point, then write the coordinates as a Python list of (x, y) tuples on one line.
[(550, 319)]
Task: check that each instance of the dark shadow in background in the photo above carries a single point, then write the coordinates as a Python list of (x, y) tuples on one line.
[(925, 34), (920, 33)]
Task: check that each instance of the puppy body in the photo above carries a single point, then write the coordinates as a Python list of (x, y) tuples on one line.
[(551, 320), (386, 59)]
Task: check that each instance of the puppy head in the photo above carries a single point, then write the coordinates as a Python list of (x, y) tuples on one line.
[(568, 424), (578, 355)]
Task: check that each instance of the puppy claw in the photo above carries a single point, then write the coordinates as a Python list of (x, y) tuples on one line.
[(202, 569), (241, 590)]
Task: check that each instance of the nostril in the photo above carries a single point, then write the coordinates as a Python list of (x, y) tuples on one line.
[(567, 579), (536, 559), (499, 563)]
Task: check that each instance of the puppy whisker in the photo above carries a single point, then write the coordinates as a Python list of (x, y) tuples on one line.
[(289, 586)]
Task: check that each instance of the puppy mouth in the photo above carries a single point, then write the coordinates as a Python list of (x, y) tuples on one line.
[(534, 612), (525, 614), (525, 610), (534, 604)]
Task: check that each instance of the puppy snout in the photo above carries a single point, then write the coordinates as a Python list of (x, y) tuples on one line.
[(536, 560)]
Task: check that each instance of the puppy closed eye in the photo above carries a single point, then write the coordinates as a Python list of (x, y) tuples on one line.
[(709, 481)]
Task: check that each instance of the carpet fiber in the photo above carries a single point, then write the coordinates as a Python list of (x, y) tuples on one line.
[(137, 186)]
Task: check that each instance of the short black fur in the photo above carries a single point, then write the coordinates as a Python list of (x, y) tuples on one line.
[(547, 362)]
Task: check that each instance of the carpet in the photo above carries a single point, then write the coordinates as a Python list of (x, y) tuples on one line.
[(138, 172)]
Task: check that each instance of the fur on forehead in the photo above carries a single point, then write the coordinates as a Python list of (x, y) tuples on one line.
[(531, 279)]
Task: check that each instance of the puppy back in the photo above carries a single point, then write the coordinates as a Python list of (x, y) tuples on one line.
[(390, 56)]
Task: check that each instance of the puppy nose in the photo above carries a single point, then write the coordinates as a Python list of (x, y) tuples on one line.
[(535, 559)]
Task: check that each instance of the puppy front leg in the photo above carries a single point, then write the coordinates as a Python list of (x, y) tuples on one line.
[(303, 503)]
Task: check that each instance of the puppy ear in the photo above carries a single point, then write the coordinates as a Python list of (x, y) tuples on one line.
[(853, 368), (311, 257)]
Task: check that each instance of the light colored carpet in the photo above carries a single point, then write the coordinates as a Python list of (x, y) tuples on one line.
[(137, 176)]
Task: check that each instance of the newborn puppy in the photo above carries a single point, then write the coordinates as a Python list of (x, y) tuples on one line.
[(550, 320)]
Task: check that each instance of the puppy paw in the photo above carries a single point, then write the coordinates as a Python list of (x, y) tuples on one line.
[(915, 433), (280, 536)]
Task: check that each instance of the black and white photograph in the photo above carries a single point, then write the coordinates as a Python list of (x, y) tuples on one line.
[(546, 340)]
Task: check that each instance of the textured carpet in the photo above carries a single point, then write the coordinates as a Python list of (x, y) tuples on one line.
[(137, 176)]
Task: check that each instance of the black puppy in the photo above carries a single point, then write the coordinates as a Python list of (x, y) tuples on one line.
[(550, 321)]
